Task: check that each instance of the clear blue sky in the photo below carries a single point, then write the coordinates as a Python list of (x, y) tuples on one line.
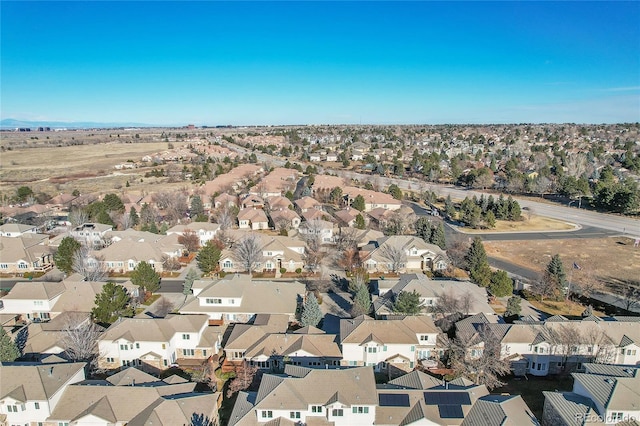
[(311, 63)]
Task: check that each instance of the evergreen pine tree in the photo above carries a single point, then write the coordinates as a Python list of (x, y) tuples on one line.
[(437, 236), (501, 285), (408, 303), (477, 263), (361, 302), (513, 307), (8, 349), (360, 223), (111, 303), (311, 314), (145, 277), (133, 217), (423, 228), (555, 268), (208, 257), (64, 255), (191, 276)]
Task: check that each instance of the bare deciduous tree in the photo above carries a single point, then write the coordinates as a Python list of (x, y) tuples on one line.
[(89, 265), (457, 249), (80, 337), (486, 366), (395, 257), (190, 240), (248, 251), (163, 307), (245, 376), (78, 216), (314, 253), (173, 204), (225, 216)]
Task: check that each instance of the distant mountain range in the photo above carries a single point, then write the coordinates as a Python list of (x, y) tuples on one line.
[(11, 123)]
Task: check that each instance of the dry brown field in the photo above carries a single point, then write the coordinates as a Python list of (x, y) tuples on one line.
[(88, 168), (610, 260)]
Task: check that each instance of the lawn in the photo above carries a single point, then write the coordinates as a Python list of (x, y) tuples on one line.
[(564, 308), (531, 388), (534, 223)]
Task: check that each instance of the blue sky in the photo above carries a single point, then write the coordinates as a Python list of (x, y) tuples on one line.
[(320, 62)]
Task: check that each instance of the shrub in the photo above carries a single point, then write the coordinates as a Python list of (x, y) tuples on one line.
[(283, 270), (298, 270)]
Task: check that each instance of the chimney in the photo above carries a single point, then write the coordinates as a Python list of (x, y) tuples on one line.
[(50, 371)]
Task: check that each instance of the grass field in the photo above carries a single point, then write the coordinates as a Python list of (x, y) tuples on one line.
[(535, 223), (531, 389)]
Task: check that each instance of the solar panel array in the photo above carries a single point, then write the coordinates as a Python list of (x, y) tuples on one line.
[(447, 398), (393, 399), (451, 411)]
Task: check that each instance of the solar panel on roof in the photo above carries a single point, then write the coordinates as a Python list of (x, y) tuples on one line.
[(393, 400), (450, 411), (447, 398)]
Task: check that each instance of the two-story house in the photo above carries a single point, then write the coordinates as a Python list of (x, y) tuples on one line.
[(205, 231), (30, 393), (153, 344), (392, 346), (403, 253), (603, 394), (91, 234), (310, 396), (238, 298)]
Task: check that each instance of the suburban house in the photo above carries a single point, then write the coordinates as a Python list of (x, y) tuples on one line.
[(269, 347), (277, 252), (317, 227), (205, 231), (44, 339), (284, 218), (91, 234), (252, 218), (103, 404), (279, 202), (25, 253), (40, 301), (225, 199), (16, 230), (475, 298), (277, 182), (310, 396), (153, 344), (403, 253), (603, 394), (124, 255), (251, 201), (417, 398), (306, 203), (30, 393), (372, 199), (392, 346), (233, 180), (347, 216), (557, 344), (237, 298)]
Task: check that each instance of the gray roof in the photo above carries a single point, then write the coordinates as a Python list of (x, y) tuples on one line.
[(569, 406), (497, 410), (416, 380), (36, 382)]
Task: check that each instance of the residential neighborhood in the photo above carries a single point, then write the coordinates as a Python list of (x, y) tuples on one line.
[(320, 276)]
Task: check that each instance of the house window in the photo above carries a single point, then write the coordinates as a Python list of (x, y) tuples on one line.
[(214, 301), (124, 347), (360, 410), (424, 338), (22, 266), (294, 414), (227, 264), (38, 303), (616, 416), (204, 353), (110, 360), (589, 349), (189, 352), (337, 412), (185, 337), (164, 346), (631, 352), (12, 409), (164, 362), (267, 414), (37, 405), (316, 408), (137, 345), (372, 350)]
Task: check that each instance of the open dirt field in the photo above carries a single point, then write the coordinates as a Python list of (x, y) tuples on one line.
[(611, 260), (88, 168)]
